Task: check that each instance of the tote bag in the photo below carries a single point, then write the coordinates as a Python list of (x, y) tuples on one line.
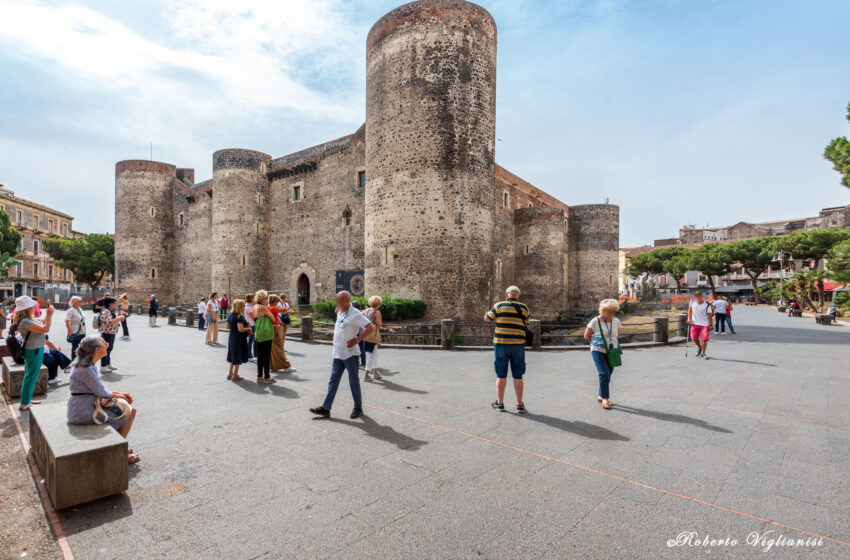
[(614, 356), (263, 329)]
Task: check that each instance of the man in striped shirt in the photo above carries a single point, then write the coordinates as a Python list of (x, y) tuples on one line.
[(511, 317)]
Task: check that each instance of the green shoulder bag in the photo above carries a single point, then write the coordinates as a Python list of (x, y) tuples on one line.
[(263, 329), (614, 356)]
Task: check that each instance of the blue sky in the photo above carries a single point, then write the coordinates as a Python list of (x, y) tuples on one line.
[(681, 112)]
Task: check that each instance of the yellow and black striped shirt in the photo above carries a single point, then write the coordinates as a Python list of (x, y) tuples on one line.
[(510, 325)]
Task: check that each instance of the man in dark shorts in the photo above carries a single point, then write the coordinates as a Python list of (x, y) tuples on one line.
[(511, 317)]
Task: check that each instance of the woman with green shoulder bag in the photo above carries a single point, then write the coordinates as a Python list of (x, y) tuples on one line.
[(263, 336), (603, 332)]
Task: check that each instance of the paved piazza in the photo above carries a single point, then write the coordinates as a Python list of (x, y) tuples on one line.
[(760, 432)]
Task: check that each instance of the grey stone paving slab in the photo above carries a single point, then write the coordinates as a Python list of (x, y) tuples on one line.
[(243, 471)]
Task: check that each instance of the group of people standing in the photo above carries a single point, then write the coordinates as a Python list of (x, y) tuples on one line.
[(702, 314), (257, 328)]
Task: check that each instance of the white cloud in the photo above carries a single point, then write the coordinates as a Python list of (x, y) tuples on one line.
[(219, 61)]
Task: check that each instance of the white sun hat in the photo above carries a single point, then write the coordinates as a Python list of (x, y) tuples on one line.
[(24, 302)]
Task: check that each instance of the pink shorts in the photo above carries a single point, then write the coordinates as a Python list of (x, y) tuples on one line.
[(700, 332)]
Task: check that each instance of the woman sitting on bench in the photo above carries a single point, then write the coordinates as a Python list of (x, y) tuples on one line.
[(86, 389)]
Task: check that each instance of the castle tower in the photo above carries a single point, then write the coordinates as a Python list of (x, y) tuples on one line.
[(144, 229), (593, 255), (430, 133), (240, 192)]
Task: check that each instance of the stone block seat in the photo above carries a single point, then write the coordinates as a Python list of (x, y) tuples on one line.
[(79, 463), (796, 313), (824, 318), (13, 377)]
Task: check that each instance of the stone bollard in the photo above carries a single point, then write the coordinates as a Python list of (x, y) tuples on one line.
[(447, 334), (306, 328), (534, 326), (660, 332), (780, 308), (172, 316), (682, 331), (190, 318)]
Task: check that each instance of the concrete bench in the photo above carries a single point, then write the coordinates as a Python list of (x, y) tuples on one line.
[(796, 313), (79, 463), (781, 308), (13, 378), (749, 303), (824, 318)]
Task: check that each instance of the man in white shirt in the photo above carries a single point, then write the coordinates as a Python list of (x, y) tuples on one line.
[(700, 314), (720, 306), (346, 354), (202, 308)]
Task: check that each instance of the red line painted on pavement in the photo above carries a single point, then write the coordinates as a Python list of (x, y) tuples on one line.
[(591, 470), (46, 504)]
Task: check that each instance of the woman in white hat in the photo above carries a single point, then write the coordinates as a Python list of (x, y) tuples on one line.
[(32, 330)]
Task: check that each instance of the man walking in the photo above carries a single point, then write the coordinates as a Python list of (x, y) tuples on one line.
[(511, 317), (346, 354), (720, 306), (153, 307), (700, 314)]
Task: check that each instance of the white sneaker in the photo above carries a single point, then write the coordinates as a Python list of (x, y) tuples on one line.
[(53, 381), (376, 375), (290, 370)]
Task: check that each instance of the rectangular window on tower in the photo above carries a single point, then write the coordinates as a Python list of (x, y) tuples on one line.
[(361, 179), (296, 193)]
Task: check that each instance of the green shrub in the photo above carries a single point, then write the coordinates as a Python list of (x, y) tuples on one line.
[(841, 299), (393, 309)]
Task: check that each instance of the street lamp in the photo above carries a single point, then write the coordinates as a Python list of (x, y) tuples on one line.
[(780, 256)]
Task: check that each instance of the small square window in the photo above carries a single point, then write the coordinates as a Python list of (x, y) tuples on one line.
[(361, 179), (296, 192)]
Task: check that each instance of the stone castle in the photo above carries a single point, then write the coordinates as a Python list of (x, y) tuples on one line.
[(410, 205)]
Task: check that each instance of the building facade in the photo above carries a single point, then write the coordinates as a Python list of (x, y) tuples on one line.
[(37, 275), (411, 205)]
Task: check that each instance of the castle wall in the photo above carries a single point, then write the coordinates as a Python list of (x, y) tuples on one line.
[(592, 259), (540, 243), (240, 193), (193, 255), (312, 235), (144, 229), (430, 134)]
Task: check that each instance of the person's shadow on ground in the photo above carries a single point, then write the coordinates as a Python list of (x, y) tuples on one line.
[(380, 432), (715, 359), (577, 427), (670, 417), (391, 386), (260, 389)]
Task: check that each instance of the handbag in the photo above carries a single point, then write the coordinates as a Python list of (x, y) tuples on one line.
[(263, 329), (529, 334), (614, 356)]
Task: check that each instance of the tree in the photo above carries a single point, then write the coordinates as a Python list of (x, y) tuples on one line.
[(839, 262), (755, 256), (812, 247), (90, 257), (10, 239), (644, 264), (838, 152), (712, 259)]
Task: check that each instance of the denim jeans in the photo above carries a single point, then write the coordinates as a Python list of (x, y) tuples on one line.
[(251, 346), (605, 372), (75, 340), (513, 354), (729, 322), (337, 368), (110, 340), (362, 345), (53, 360), (201, 322)]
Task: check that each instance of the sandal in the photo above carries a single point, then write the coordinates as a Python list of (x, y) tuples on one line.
[(236, 378), (606, 404), (260, 380), (133, 458)]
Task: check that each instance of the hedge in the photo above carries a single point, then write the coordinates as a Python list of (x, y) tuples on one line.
[(393, 309)]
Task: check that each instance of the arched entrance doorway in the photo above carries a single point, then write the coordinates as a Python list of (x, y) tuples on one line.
[(303, 288)]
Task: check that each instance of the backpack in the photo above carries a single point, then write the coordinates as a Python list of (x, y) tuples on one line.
[(16, 349)]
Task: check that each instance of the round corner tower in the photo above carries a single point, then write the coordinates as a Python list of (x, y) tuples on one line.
[(594, 246), (240, 186), (144, 229), (430, 134)]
